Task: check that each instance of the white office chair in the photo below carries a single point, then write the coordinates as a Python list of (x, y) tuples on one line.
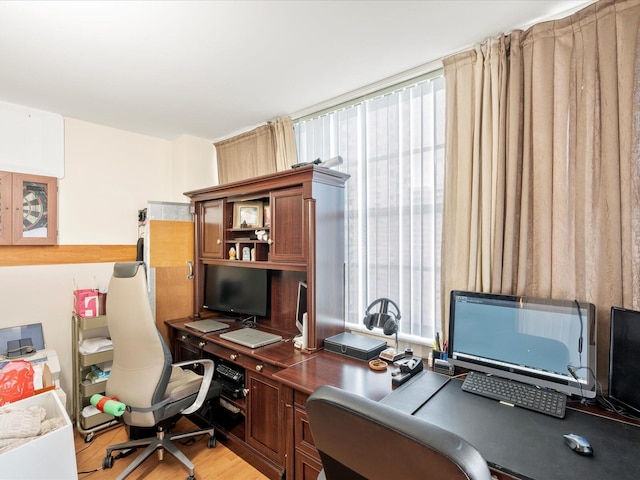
[(143, 377)]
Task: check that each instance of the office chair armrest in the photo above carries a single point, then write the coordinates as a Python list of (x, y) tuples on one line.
[(204, 386)]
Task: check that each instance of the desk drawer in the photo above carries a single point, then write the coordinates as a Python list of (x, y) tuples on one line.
[(259, 366), (302, 434), (307, 468), (189, 338), (226, 354)]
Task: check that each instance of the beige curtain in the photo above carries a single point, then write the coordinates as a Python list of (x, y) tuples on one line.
[(542, 182), (263, 150), (247, 155), (285, 143)]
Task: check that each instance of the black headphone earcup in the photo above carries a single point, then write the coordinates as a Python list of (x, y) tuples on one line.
[(390, 327), (368, 321)]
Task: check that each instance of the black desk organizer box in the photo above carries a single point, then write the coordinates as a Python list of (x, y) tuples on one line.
[(355, 346)]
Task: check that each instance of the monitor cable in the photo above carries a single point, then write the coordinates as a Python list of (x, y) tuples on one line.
[(581, 331), (599, 399)]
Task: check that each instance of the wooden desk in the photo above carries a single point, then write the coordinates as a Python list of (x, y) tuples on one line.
[(256, 431), (327, 368), (272, 432), (529, 445)]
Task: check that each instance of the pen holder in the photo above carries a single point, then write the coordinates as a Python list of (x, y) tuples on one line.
[(436, 354)]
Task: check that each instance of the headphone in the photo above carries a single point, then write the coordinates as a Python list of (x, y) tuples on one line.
[(383, 319)]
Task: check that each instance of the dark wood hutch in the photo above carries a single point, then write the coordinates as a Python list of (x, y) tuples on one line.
[(305, 239), (304, 243)]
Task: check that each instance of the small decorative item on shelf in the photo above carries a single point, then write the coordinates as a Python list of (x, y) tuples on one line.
[(232, 253), (247, 215), (262, 235), (246, 254), (267, 215)]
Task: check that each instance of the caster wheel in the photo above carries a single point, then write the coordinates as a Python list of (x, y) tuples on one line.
[(211, 443), (107, 462)]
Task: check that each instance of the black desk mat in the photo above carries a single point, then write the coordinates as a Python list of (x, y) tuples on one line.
[(527, 444), (411, 396)]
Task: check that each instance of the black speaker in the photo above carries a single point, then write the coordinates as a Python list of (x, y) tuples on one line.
[(382, 319)]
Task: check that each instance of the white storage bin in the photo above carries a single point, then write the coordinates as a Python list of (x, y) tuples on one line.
[(50, 456)]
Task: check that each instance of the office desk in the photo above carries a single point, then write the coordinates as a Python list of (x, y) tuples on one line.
[(527, 444)]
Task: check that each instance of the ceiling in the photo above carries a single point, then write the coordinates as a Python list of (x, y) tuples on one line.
[(211, 69)]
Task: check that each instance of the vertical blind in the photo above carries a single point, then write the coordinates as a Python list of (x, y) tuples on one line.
[(392, 145)]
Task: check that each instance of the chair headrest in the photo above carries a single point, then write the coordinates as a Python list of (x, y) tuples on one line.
[(126, 269)]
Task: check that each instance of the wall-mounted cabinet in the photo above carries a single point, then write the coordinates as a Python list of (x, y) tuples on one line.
[(290, 223), (289, 233), (28, 209), (211, 228)]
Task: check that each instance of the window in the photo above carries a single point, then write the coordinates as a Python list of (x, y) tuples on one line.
[(392, 145)]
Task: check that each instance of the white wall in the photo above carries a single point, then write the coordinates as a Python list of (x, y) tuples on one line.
[(110, 174), (194, 166)]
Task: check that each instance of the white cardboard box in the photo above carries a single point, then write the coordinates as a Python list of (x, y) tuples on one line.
[(50, 456)]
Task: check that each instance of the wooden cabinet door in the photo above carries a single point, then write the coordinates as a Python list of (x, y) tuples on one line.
[(35, 210), (307, 468), (170, 248), (307, 458), (288, 238), (265, 425), (5, 208), (212, 229)]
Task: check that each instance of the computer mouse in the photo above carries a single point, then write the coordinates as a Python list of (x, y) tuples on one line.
[(578, 444)]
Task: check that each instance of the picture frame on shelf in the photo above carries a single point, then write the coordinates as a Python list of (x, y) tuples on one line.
[(247, 215), (267, 215)]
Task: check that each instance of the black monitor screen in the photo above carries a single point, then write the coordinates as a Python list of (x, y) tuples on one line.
[(236, 290), (624, 359), (539, 341)]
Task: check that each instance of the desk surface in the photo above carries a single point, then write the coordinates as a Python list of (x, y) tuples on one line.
[(527, 444)]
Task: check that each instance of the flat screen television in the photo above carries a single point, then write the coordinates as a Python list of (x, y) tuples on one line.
[(236, 291), (544, 342), (624, 359)]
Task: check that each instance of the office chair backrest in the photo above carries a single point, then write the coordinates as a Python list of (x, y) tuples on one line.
[(141, 360), (359, 439)]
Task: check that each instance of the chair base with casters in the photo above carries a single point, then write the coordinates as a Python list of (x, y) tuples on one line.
[(163, 439), (162, 442)]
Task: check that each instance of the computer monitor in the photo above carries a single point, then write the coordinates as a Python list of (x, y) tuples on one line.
[(301, 306), (624, 359), (236, 290), (544, 342)]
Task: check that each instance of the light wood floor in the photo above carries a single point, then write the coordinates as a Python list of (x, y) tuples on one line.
[(210, 463)]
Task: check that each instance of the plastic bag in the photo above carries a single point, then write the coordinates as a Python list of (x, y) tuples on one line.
[(16, 381)]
